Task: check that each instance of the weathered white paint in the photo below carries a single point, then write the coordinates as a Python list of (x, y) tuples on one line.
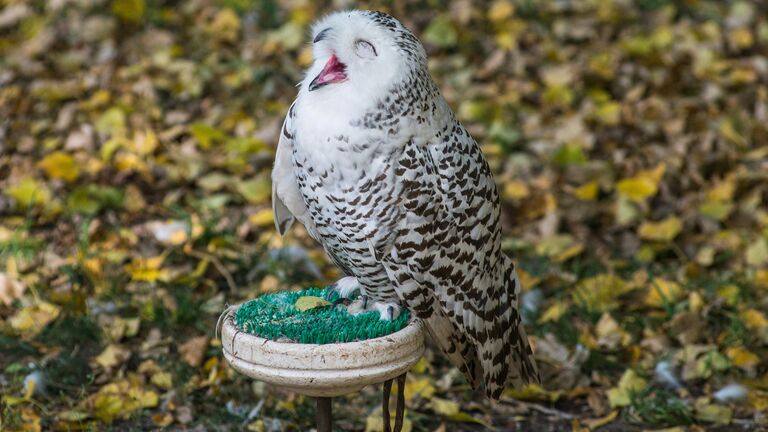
[(322, 370)]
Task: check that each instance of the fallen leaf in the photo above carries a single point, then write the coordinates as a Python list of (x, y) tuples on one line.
[(306, 303), (712, 413), (662, 231), (10, 289), (757, 252), (601, 292), (610, 334), (619, 396), (120, 399), (30, 320), (60, 165), (29, 193), (587, 191), (421, 387), (662, 292), (643, 186), (593, 424), (444, 407), (113, 355), (193, 350)]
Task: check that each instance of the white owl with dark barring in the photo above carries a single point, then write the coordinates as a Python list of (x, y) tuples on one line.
[(372, 161)]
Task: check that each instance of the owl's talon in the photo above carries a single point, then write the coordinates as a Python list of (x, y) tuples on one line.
[(387, 311)]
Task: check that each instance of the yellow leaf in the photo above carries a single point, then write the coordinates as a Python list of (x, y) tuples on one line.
[(609, 113), (629, 382), (147, 269), (554, 312), (757, 252), (125, 161), (713, 413), (164, 380), (754, 319), (255, 191), (554, 245), (695, 301), (29, 193), (226, 25), (120, 399), (306, 303), (30, 320), (637, 189), (419, 387), (741, 37), (705, 256), (257, 426), (516, 190), (112, 356), (501, 10), (60, 165), (643, 186), (602, 421), (662, 291), (626, 211), (30, 420), (600, 292), (162, 419), (534, 392), (72, 416), (722, 191), (262, 218), (129, 10), (145, 143), (420, 366), (570, 252), (663, 231), (527, 280), (587, 191), (741, 357), (444, 407), (761, 279), (730, 293)]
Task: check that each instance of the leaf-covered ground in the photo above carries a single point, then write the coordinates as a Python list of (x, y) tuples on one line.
[(629, 140)]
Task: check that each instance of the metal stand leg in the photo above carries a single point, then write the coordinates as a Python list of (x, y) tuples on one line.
[(400, 409), (386, 390), (324, 415)]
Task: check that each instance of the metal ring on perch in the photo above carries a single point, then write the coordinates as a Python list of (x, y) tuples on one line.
[(328, 370)]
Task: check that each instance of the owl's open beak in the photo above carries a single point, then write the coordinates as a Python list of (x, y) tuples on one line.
[(334, 71)]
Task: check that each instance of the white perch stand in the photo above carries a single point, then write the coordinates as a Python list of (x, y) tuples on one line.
[(323, 371)]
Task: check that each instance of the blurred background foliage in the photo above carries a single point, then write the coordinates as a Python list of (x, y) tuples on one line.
[(629, 140)]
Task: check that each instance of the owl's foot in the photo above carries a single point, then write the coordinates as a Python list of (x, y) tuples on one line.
[(359, 306), (345, 287), (388, 311)]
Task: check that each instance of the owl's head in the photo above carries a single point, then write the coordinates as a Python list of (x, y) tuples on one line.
[(359, 51)]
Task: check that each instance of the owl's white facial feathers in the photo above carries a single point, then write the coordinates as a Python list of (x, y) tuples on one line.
[(367, 53)]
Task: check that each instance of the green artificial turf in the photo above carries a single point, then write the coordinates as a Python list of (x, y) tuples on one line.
[(274, 316)]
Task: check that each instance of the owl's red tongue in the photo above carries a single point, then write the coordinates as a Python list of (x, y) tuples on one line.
[(334, 71)]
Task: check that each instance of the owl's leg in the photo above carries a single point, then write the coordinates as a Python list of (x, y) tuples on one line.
[(345, 287)]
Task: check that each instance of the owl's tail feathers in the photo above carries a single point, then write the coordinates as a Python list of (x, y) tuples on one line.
[(508, 359), (454, 343), (523, 370)]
